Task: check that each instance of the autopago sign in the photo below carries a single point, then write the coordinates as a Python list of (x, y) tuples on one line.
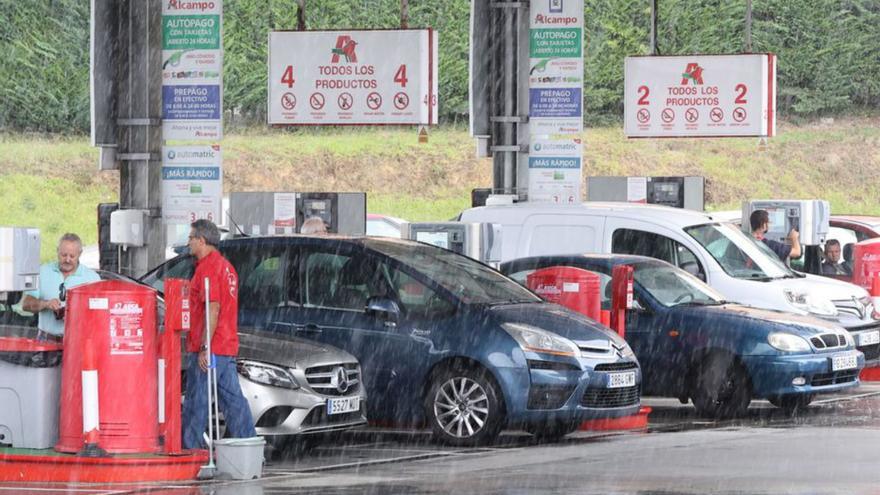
[(700, 95), (353, 77), (192, 70), (556, 70)]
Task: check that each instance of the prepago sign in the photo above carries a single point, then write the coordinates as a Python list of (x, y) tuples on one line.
[(353, 77), (700, 95)]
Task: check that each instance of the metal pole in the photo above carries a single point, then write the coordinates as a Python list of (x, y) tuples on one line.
[(511, 16), (140, 127), (404, 14), (301, 15), (748, 26), (654, 27)]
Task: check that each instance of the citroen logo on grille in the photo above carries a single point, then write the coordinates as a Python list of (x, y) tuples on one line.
[(861, 308), (340, 379)]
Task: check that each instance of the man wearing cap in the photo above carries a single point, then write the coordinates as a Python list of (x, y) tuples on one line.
[(56, 279), (222, 300)]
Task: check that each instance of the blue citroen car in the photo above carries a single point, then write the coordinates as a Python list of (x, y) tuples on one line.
[(692, 344), (441, 339)]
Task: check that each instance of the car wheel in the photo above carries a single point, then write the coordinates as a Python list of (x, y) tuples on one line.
[(792, 404), (721, 388), (464, 407), (552, 430)]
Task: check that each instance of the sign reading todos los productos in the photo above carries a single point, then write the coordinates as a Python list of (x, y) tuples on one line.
[(192, 69), (556, 80), (353, 77), (700, 95)]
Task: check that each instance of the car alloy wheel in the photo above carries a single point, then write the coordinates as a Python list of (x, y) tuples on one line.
[(463, 407)]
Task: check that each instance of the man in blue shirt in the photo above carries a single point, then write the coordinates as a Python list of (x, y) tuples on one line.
[(760, 222), (55, 278)]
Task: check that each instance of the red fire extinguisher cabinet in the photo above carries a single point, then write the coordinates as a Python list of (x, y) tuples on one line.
[(118, 319)]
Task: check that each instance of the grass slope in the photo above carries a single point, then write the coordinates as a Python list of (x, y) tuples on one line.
[(53, 183)]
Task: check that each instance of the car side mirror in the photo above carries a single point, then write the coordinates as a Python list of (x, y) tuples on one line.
[(638, 308), (383, 308)]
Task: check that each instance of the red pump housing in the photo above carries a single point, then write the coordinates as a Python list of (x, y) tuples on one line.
[(866, 263), (119, 319), (575, 288)]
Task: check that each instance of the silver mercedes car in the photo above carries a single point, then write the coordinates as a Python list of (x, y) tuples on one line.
[(297, 387)]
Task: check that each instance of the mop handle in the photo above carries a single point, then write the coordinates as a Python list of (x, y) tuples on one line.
[(210, 370)]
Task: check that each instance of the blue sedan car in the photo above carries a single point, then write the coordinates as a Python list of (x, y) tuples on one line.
[(441, 338), (693, 344)]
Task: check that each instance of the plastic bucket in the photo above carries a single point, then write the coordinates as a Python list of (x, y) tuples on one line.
[(240, 458)]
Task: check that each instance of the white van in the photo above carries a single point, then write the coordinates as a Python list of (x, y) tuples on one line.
[(730, 261)]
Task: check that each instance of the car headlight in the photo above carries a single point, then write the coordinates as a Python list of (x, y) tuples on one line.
[(266, 374), (535, 339), (810, 303), (788, 342), (627, 351)]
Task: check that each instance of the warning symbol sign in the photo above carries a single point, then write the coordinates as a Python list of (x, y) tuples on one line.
[(401, 100), (716, 114), (691, 115), (316, 101), (739, 114), (345, 101), (288, 101), (644, 116), (374, 100), (668, 115)]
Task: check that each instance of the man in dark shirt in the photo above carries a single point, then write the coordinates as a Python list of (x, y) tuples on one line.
[(760, 221), (223, 333), (831, 264)]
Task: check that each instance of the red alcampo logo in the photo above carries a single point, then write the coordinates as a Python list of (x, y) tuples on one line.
[(694, 73), (344, 46)]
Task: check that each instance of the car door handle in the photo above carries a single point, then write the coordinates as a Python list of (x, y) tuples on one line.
[(309, 328)]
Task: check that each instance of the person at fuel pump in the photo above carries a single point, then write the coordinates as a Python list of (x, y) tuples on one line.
[(831, 264), (223, 334), (56, 278), (313, 225), (760, 222)]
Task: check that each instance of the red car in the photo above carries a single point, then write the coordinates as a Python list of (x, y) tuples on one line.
[(848, 230)]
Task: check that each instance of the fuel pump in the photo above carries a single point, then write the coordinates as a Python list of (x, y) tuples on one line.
[(811, 218), (677, 192), (283, 213), (621, 296), (480, 241)]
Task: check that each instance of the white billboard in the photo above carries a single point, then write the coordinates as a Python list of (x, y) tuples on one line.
[(353, 77), (700, 96)]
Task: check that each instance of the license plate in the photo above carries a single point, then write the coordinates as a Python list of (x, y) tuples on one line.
[(619, 380), (869, 338), (844, 362), (343, 405)]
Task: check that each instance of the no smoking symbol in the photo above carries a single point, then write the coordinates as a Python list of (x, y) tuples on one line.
[(344, 101), (374, 100), (288, 101), (668, 115), (644, 116), (316, 101), (716, 114), (739, 114), (691, 115), (401, 100)]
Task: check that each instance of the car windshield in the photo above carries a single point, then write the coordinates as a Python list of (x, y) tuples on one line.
[(672, 287), (738, 254), (471, 282)]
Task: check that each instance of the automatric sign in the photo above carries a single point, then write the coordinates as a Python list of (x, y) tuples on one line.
[(353, 77), (192, 184), (556, 79), (718, 95)]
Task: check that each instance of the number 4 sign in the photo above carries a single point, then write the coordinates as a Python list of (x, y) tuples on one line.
[(703, 95), (353, 77)]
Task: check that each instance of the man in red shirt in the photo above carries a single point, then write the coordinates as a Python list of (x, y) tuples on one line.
[(223, 332)]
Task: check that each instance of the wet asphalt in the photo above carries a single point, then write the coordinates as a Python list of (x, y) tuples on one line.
[(831, 448)]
